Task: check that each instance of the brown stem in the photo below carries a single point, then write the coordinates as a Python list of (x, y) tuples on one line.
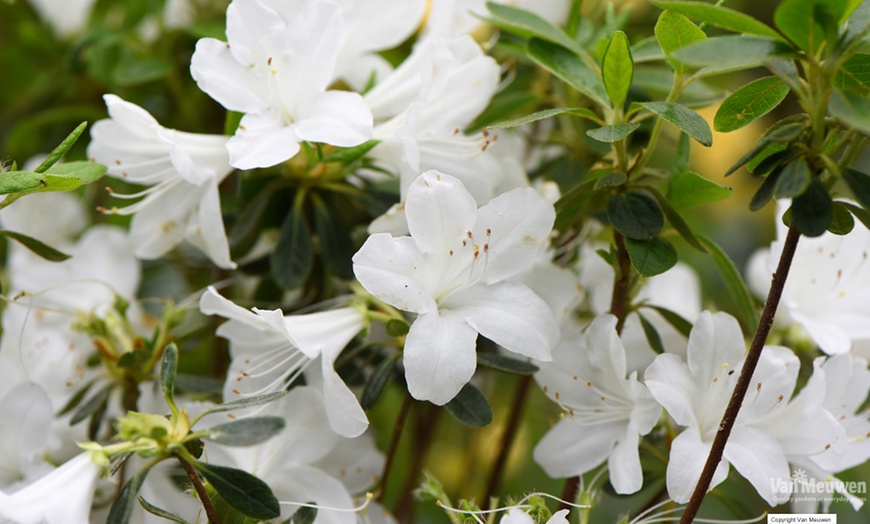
[(210, 512), (427, 423), (394, 443), (619, 300), (743, 382), (510, 432)]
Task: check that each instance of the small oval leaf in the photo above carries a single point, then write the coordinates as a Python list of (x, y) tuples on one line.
[(749, 103), (687, 120), (636, 215), (651, 257), (241, 490), (470, 407), (612, 133)]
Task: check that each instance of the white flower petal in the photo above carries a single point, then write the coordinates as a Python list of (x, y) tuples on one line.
[(571, 448), (218, 74), (339, 118), (758, 457), (687, 459), (623, 464), (393, 270), (440, 213)]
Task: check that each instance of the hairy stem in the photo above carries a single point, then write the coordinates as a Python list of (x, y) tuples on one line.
[(210, 512), (767, 315), (510, 432)]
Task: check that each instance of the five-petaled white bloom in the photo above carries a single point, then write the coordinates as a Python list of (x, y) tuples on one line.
[(453, 271), (270, 350), (275, 67), (183, 170), (607, 412)]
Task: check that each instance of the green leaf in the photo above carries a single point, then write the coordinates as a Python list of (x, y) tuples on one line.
[(719, 16), (614, 179), (347, 155), (336, 246), (774, 140), (546, 113), (506, 364), (858, 21), (304, 515), (813, 211), (92, 405), (43, 250), (122, 507), (62, 149), (860, 213), (854, 74), (746, 309), (674, 31), (651, 257), (681, 161), (241, 490), (674, 319), (293, 257), (842, 222), (377, 382), (243, 403), (647, 50), (765, 192), (617, 69), (676, 220), (794, 180), (749, 103), (162, 513), (569, 67), (168, 368), (246, 432), (397, 328), (613, 133), (687, 120), (528, 24), (859, 183), (636, 215), (59, 177), (652, 335), (852, 109), (138, 70), (470, 407), (730, 52), (808, 22), (687, 190), (83, 171), (76, 399)]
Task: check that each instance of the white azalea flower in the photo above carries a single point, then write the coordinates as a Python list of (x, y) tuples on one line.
[(461, 17), (452, 271), (518, 516), (827, 285), (61, 497), (275, 67), (23, 443), (270, 350), (696, 393), (184, 170), (606, 412), (67, 17)]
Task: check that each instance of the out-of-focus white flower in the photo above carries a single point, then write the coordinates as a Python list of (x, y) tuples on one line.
[(275, 67), (61, 497), (827, 285), (270, 350), (696, 393), (518, 516), (183, 170), (606, 411), (24, 439), (461, 17), (67, 17), (453, 271)]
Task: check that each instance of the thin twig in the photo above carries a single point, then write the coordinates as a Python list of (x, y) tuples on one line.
[(510, 432), (394, 443), (210, 512)]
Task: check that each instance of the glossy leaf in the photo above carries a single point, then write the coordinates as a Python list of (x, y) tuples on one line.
[(43, 250), (125, 502), (651, 257), (569, 67), (674, 31), (719, 16), (61, 149), (749, 103), (734, 282), (794, 180), (812, 212), (241, 490), (612, 133), (506, 364), (687, 190), (246, 432), (470, 407), (293, 258), (617, 69), (687, 120), (635, 214), (546, 113)]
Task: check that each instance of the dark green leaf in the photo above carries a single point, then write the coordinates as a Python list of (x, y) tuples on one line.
[(347, 155), (92, 405), (243, 403), (546, 113), (858, 212), (241, 490), (652, 335), (76, 399), (687, 120), (168, 368), (734, 282), (246, 227), (197, 384), (528, 24), (852, 109), (617, 69), (765, 192), (774, 140), (614, 179), (246, 432), (470, 407), (794, 180), (730, 52), (133, 359), (674, 31), (859, 183), (719, 16), (651, 257), (62, 149), (842, 222), (336, 246), (122, 507), (676, 220), (569, 67), (506, 364), (635, 214), (772, 159), (293, 257), (813, 211), (749, 103), (612, 133), (162, 513), (688, 189), (377, 382), (854, 74), (304, 515), (678, 322), (43, 250)]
